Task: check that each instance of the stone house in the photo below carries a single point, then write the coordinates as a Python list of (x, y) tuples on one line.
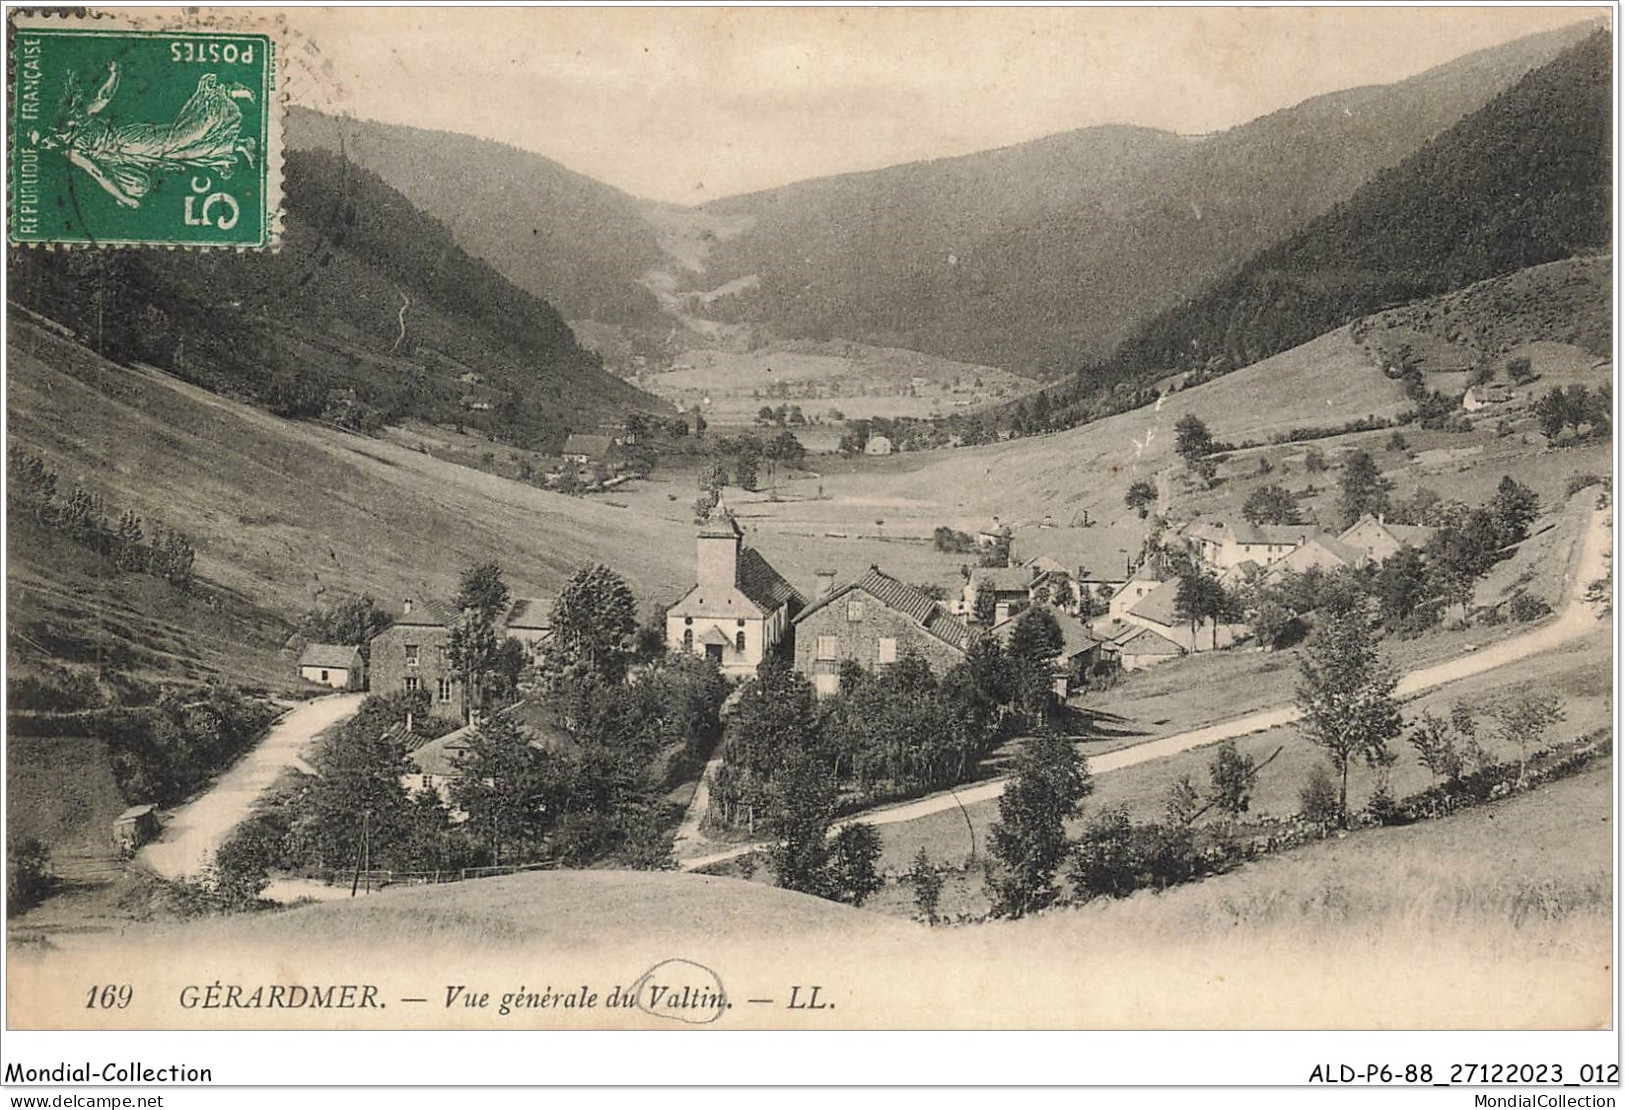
[(1136, 648), (1321, 550), (1222, 544), (586, 450), (1158, 611), (1378, 539), (412, 654), (873, 621), (1145, 579)]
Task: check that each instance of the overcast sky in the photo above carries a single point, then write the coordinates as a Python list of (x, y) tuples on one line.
[(689, 104)]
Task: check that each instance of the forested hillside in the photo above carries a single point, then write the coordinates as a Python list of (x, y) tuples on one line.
[(1524, 180), (577, 243), (369, 313), (1043, 255)]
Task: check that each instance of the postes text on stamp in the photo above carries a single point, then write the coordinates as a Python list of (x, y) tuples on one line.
[(141, 137)]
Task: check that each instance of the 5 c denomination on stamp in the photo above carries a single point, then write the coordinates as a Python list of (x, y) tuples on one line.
[(125, 136)]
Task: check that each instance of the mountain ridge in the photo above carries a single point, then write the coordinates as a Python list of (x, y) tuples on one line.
[(1068, 282)]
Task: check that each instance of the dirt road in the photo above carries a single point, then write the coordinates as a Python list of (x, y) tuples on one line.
[(689, 838), (197, 829), (1576, 620)]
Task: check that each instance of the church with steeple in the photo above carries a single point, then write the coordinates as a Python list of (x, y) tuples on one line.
[(739, 608)]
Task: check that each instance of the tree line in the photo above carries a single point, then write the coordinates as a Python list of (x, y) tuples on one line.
[(131, 544)]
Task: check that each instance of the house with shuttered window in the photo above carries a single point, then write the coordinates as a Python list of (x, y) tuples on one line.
[(873, 621), (411, 654)]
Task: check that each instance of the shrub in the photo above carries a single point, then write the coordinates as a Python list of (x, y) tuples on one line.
[(1104, 863), (1318, 798), (1578, 482), (854, 852), (28, 875), (927, 881), (1497, 780), (1528, 607), (242, 866), (1115, 857)]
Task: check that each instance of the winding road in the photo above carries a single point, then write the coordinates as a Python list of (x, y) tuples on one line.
[(1576, 619), (195, 832)]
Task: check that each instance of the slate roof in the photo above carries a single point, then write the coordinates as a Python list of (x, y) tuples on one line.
[(594, 447), (721, 526), (439, 756), (1146, 641), (431, 613), (1242, 571), (335, 656), (916, 604), (1003, 579), (1408, 535), (1075, 637), (1044, 564), (1273, 533), (1250, 534), (765, 586), (1160, 605), (1349, 556), (531, 612)]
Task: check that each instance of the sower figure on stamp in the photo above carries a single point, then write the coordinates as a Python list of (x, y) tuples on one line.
[(122, 158)]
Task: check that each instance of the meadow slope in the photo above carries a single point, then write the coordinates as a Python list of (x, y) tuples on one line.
[(290, 514)]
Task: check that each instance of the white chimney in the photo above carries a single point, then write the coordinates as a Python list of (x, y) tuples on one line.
[(406, 607), (825, 580)]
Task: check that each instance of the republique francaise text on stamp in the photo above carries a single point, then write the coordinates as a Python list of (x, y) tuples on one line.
[(160, 137)]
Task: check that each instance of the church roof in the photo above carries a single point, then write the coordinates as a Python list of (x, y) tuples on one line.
[(765, 586)]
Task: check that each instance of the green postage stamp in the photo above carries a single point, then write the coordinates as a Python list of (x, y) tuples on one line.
[(155, 137)]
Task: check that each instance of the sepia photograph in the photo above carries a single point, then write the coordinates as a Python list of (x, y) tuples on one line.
[(812, 519)]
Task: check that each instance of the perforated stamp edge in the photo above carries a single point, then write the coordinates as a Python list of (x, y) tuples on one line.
[(190, 21)]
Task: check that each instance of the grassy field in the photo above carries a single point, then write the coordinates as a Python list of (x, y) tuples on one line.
[(1551, 850), (1562, 303), (289, 514), (1045, 486), (731, 382)]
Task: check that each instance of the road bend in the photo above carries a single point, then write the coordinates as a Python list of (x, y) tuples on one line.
[(195, 832)]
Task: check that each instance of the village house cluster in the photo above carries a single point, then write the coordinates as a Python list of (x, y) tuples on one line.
[(741, 610)]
